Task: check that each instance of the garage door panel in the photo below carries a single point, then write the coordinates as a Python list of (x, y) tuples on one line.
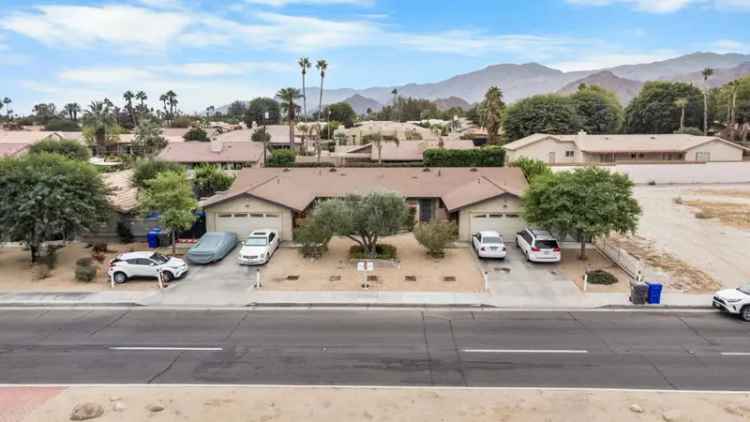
[(507, 224), (245, 223)]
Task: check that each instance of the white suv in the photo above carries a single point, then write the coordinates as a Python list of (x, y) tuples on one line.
[(489, 244), (538, 245), (145, 264), (734, 301)]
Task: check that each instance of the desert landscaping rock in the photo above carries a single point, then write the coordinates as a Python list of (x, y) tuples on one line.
[(155, 408), (636, 408), (672, 416), (118, 406), (86, 411)]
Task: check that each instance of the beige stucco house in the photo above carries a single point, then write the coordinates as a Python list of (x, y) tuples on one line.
[(591, 149), (475, 198)]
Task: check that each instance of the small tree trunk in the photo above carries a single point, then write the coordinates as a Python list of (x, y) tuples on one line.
[(705, 113), (34, 252), (174, 242), (682, 119), (582, 255)]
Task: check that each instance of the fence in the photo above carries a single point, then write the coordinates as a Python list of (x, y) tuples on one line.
[(630, 264)]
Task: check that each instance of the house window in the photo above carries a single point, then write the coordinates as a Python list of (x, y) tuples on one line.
[(496, 216), (512, 216), (225, 215), (243, 215), (570, 154), (272, 216), (256, 215)]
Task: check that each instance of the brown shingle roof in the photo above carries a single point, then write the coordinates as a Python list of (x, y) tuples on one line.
[(297, 188), (123, 196), (202, 152), (12, 149)]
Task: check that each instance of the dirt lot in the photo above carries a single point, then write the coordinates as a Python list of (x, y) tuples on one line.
[(345, 404), (457, 272), (574, 269), (699, 254), (18, 274)]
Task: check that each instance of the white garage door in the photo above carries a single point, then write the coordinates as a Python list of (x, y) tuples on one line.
[(244, 223), (507, 224)]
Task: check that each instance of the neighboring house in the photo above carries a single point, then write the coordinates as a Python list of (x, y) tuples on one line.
[(123, 200), (404, 151), (593, 149), (476, 199), (13, 149), (34, 136), (226, 155)]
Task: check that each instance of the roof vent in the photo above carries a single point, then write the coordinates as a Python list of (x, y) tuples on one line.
[(217, 146), (426, 170), (653, 138), (473, 170), (332, 170), (286, 170)]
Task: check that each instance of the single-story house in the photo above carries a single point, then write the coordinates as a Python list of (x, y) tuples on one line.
[(13, 149), (404, 151), (475, 198), (227, 155), (593, 149)]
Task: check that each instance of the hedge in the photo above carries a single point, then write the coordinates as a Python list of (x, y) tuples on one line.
[(481, 157), (282, 158)]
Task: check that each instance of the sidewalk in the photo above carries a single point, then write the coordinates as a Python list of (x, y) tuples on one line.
[(105, 298)]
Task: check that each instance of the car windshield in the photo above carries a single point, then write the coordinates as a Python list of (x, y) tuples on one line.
[(492, 240), (745, 289), (546, 244), (256, 241), (159, 259)]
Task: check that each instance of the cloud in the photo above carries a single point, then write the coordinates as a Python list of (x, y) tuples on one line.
[(282, 3), (594, 61), (730, 46), (665, 6)]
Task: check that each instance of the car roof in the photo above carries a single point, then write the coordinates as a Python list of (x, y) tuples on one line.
[(542, 234), (262, 232), (490, 233), (135, 255)]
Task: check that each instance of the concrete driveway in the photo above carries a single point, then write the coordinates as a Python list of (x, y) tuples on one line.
[(517, 282)]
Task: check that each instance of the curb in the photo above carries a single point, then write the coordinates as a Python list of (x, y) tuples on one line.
[(366, 305), (59, 304)]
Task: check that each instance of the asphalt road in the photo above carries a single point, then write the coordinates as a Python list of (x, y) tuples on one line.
[(546, 349)]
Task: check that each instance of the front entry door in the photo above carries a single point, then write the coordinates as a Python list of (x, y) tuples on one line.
[(425, 210)]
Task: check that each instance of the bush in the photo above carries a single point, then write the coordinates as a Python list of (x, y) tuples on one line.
[(490, 156), (531, 168), (435, 236), (62, 125), (209, 179), (84, 262), (601, 277), (196, 134), (182, 122), (314, 236), (689, 131), (146, 170), (67, 147), (124, 233), (282, 158), (411, 219), (261, 135), (85, 274), (382, 251), (100, 247)]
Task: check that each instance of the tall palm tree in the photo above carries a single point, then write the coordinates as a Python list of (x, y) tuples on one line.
[(304, 64), (209, 111), (322, 66), (491, 112), (734, 86), (395, 101), (288, 96), (7, 102), (142, 97), (707, 73), (378, 140), (163, 98), (682, 104), (102, 121), (172, 101), (128, 96), (72, 109)]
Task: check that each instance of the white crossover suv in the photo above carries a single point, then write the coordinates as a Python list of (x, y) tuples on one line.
[(489, 244), (259, 247), (538, 245), (145, 264), (734, 301)]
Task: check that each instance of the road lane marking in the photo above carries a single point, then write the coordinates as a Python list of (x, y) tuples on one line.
[(542, 351), (735, 354), (179, 349)]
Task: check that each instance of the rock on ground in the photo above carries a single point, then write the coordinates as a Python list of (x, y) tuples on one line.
[(86, 411)]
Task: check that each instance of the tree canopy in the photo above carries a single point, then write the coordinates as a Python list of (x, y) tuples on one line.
[(148, 139), (66, 147), (146, 170), (257, 109), (171, 195), (599, 110), (541, 114), (585, 203), (491, 114), (209, 179), (654, 110), (49, 197), (340, 112)]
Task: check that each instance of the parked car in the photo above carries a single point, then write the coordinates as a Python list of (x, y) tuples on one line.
[(489, 244), (145, 264), (212, 247), (734, 301), (259, 247), (538, 245)]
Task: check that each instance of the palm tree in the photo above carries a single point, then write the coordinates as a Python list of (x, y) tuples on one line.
[(491, 112), (395, 100), (72, 109), (682, 103), (172, 101), (707, 73), (102, 121), (377, 139), (322, 66), (128, 96), (734, 86), (163, 98), (142, 97), (288, 96), (304, 64), (6, 102), (209, 111)]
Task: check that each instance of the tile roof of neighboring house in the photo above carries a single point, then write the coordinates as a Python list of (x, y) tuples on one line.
[(624, 143), (12, 149), (409, 150), (212, 152), (279, 134), (297, 188), (123, 196), (34, 136), (128, 138)]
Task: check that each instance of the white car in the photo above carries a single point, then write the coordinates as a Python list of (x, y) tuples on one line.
[(145, 264), (734, 301), (489, 244), (538, 246), (258, 248)]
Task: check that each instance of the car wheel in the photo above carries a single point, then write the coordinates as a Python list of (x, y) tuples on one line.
[(168, 277), (745, 313), (120, 278)]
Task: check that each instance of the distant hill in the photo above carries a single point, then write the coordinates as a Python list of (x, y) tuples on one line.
[(361, 104), (444, 104), (625, 89)]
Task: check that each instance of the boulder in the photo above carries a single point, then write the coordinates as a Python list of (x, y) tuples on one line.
[(86, 411), (636, 408)]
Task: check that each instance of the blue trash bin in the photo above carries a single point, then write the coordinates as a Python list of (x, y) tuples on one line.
[(153, 238), (654, 293)]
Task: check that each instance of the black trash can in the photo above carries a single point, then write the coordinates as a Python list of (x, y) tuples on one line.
[(638, 293)]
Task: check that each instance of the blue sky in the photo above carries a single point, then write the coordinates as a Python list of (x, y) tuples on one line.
[(211, 52)]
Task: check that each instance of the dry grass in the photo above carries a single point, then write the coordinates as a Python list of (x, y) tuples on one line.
[(574, 269), (730, 214), (684, 277)]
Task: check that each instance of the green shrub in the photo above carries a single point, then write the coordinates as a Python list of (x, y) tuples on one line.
[(411, 219), (382, 251), (261, 135), (282, 158), (67, 147), (146, 170), (196, 134), (182, 122), (601, 277), (62, 125), (85, 274), (531, 168), (435, 236), (86, 261), (491, 156), (313, 237)]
